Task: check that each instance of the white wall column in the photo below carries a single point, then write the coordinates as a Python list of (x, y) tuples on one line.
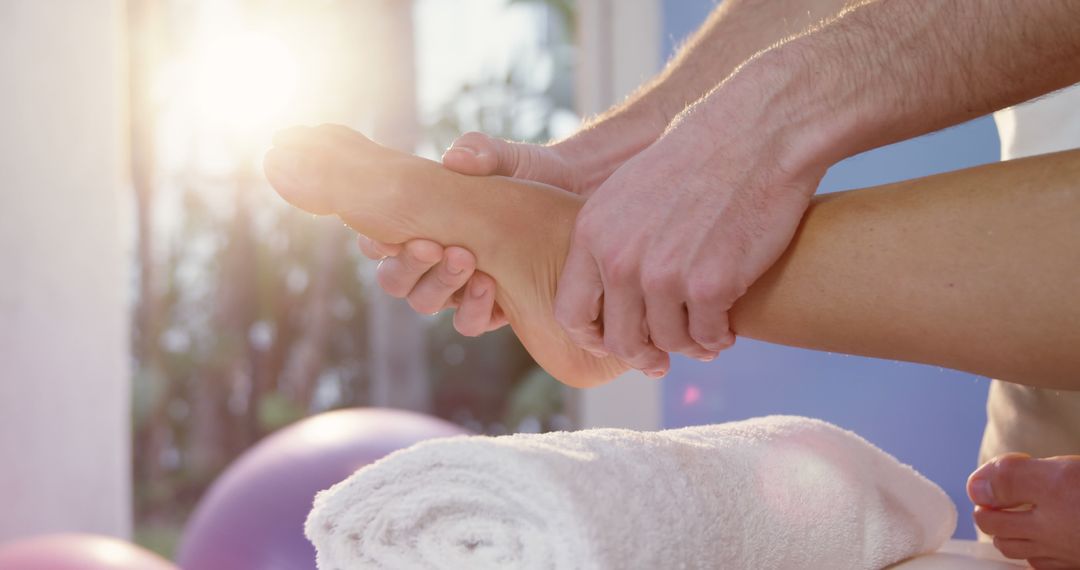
[(64, 380), (619, 45)]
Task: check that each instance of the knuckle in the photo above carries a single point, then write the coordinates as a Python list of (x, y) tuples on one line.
[(625, 348), (587, 230), (449, 280), (670, 341), (575, 322), (668, 345), (618, 267), (568, 319), (660, 281), (706, 290)]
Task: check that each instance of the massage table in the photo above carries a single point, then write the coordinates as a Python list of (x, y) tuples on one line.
[(962, 555)]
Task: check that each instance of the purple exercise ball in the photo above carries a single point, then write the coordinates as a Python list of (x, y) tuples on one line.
[(252, 517), (78, 552)]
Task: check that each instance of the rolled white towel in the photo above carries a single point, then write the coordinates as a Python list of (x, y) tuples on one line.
[(772, 492)]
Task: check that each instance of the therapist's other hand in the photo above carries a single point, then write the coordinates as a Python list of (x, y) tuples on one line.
[(668, 243), (432, 277)]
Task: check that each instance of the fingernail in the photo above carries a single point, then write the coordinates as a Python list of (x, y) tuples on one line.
[(655, 374), (477, 291), (719, 346), (982, 493), (463, 148), (709, 358)]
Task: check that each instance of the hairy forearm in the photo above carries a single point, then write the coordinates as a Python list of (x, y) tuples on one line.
[(733, 33), (889, 70), (977, 270)]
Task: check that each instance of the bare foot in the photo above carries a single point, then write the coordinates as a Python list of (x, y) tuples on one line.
[(1031, 507), (518, 230)]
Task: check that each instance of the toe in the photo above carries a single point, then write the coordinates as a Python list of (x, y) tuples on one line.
[(1017, 548), (325, 134), (1008, 481), (296, 175), (1006, 524)]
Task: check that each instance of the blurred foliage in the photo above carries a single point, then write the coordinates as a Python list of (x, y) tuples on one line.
[(250, 314)]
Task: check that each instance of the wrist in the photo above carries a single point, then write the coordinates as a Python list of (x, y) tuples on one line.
[(779, 110), (602, 146)]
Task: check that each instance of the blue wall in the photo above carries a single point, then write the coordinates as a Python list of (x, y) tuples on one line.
[(929, 417)]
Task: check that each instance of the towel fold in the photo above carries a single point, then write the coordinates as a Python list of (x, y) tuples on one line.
[(772, 492)]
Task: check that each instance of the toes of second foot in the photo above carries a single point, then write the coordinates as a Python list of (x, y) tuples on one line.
[(1017, 548), (1006, 481), (1009, 524)]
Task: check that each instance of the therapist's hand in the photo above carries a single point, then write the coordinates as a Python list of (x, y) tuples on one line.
[(432, 277), (668, 243)]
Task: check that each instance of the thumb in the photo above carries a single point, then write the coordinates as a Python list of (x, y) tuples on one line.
[(477, 154)]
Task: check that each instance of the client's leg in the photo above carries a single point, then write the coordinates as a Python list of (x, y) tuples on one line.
[(977, 270)]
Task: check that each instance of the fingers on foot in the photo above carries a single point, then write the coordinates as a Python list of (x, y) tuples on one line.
[(626, 333), (436, 288), (668, 328), (708, 324), (476, 310), (398, 275), (579, 302), (477, 154)]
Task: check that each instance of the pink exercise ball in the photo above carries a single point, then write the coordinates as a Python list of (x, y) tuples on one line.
[(252, 517), (78, 552)]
